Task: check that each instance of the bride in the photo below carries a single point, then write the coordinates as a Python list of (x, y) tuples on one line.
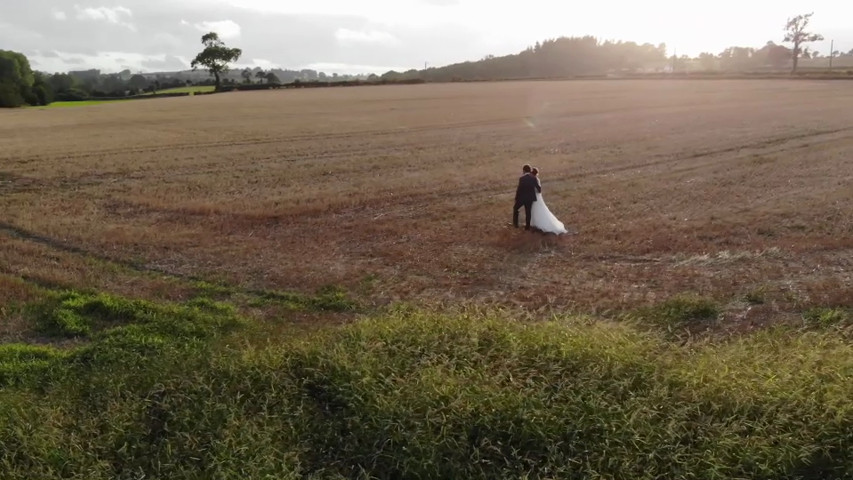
[(542, 218)]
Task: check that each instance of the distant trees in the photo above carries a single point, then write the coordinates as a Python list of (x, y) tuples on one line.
[(708, 61), (796, 33), (16, 80), (247, 75), (215, 57), (20, 85), (564, 56), (309, 74), (737, 59), (138, 82), (745, 59), (777, 56), (272, 78), (112, 85), (41, 89)]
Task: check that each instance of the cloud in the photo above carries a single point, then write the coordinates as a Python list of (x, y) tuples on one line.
[(60, 15), (116, 15), (264, 63), (226, 29), (164, 63), (18, 37), (48, 54), (58, 61), (399, 12), (347, 36)]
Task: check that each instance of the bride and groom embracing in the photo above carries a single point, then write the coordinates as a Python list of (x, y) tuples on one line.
[(529, 195)]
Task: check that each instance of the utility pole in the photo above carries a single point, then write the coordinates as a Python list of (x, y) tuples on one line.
[(831, 53)]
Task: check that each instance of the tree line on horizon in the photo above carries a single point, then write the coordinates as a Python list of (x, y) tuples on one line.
[(20, 85), (588, 56), (552, 58)]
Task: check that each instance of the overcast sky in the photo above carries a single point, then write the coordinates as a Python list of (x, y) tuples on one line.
[(363, 36)]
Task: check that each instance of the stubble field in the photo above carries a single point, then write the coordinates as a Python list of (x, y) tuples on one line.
[(738, 191)]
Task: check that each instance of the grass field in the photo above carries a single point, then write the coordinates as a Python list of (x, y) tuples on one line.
[(191, 90), (83, 103), (322, 283)]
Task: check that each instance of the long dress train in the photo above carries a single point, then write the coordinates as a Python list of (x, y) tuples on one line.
[(544, 220)]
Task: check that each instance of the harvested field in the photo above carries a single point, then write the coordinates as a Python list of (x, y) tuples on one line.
[(741, 191)]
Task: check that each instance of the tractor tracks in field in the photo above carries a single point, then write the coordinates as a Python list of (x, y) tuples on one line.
[(413, 202), (409, 205), (762, 147), (224, 288), (13, 183), (15, 232), (266, 140)]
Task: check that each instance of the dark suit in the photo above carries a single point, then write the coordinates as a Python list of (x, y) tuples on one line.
[(525, 195)]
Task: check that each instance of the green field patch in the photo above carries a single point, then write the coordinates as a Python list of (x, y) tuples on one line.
[(78, 315), (326, 299), (110, 331), (21, 363), (330, 298), (190, 90), (681, 311), (83, 103), (828, 318)]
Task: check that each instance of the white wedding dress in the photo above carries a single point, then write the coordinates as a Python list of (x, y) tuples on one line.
[(543, 219)]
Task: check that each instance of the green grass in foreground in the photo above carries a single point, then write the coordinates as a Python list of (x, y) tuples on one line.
[(164, 391)]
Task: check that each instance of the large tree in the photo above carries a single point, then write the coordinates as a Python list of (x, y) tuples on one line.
[(796, 33), (272, 78), (16, 79), (215, 57), (42, 93), (138, 82)]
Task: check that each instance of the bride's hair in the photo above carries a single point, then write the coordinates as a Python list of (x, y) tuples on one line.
[(535, 171)]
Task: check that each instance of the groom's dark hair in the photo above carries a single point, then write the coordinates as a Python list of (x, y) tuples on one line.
[(525, 169)]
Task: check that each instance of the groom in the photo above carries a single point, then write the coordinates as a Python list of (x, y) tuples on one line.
[(525, 195)]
